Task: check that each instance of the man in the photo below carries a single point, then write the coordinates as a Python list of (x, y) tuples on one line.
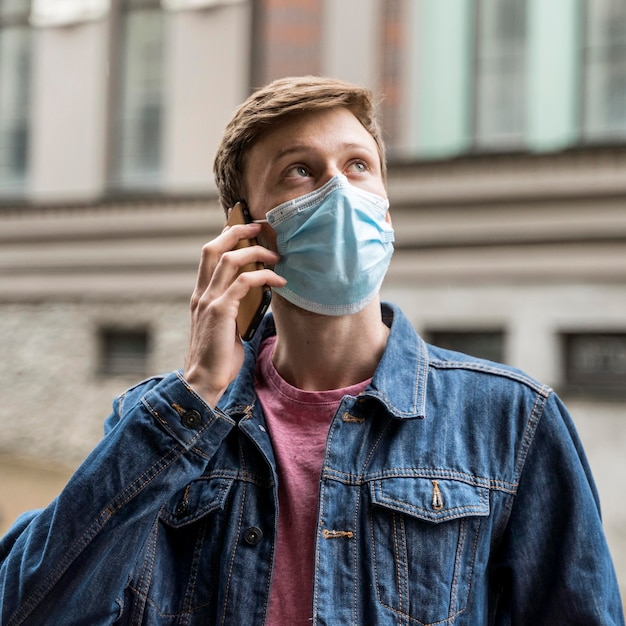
[(335, 469)]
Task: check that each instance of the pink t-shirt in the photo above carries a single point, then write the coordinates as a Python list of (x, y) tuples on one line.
[(298, 423)]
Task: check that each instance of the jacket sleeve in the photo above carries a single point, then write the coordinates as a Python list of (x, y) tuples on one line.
[(554, 565), (75, 554)]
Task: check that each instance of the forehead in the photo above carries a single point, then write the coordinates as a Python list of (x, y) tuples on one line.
[(323, 129)]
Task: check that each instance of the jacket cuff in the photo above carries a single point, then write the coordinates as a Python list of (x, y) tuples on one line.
[(179, 410)]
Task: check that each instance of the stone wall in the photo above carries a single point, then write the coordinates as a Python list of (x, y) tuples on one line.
[(53, 401)]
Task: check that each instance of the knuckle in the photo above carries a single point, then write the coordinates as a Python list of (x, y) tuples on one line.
[(208, 251), (194, 301), (228, 259), (248, 278)]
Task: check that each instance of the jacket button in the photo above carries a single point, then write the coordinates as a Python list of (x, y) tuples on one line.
[(181, 508), (190, 419), (253, 535)]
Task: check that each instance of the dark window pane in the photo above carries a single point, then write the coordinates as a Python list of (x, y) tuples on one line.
[(15, 73), (140, 110), (595, 361), (605, 71), (501, 73), (124, 352), (480, 343)]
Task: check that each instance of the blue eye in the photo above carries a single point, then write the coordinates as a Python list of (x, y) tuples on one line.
[(359, 166), (298, 171)]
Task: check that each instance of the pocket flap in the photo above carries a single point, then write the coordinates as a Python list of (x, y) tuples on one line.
[(199, 498), (431, 499)]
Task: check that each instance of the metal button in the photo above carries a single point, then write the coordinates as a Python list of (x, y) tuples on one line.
[(191, 419), (181, 508), (253, 535)]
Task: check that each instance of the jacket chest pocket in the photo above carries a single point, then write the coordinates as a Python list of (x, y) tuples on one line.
[(423, 538), (176, 581)]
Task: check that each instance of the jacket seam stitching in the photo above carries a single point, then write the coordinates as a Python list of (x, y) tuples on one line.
[(527, 441), (519, 377), (88, 536), (419, 472)]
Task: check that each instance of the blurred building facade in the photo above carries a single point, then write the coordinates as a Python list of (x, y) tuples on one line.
[(506, 130)]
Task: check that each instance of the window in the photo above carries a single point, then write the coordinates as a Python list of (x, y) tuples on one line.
[(595, 362), (484, 344), (501, 73), (15, 72), (124, 352), (138, 136), (605, 70)]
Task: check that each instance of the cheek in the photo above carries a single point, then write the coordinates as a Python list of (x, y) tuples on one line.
[(258, 205), (267, 238)]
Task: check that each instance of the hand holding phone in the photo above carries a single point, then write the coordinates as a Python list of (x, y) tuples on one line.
[(255, 303)]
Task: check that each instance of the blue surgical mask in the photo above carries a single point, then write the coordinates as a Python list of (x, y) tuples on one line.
[(335, 247)]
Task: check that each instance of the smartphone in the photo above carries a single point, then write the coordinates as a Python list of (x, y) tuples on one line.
[(255, 303)]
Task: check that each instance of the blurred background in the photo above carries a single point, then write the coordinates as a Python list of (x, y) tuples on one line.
[(506, 129)]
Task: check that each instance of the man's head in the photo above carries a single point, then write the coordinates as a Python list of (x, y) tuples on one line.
[(279, 101)]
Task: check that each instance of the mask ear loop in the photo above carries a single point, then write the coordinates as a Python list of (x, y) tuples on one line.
[(259, 222)]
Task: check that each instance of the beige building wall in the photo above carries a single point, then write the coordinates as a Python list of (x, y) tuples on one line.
[(69, 113), (202, 93)]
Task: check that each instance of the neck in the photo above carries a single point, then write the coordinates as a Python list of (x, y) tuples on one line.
[(320, 352)]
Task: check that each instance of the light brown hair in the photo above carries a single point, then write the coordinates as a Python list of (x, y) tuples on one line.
[(275, 102)]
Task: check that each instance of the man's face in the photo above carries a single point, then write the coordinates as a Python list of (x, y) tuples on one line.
[(305, 152)]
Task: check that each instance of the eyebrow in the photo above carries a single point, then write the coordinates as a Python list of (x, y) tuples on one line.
[(302, 147), (295, 148)]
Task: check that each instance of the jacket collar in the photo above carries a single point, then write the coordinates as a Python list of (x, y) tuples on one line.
[(399, 381)]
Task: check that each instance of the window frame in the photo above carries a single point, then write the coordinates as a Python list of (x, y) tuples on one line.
[(17, 186), (119, 183), (478, 145), (433, 335), (586, 137), (596, 386), (109, 337)]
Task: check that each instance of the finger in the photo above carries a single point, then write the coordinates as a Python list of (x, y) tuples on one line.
[(226, 306), (242, 231), (258, 278), (228, 267), (213, 250), (216, 310), (240, 261)]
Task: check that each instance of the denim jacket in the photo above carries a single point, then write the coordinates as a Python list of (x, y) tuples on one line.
[(454, 491)]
